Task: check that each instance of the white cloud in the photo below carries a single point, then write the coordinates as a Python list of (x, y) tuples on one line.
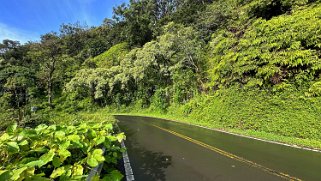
[(8, 32)]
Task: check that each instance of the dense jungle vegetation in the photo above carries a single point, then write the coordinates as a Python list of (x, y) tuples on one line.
[(248, 66)]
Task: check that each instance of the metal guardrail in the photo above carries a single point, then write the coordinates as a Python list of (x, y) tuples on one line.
[(128, 169)]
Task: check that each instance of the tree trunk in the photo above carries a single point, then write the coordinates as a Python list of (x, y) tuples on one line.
[(19, 116), (50, 93)]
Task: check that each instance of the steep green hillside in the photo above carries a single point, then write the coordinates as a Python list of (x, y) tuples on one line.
[(111, 57), (283, 52)]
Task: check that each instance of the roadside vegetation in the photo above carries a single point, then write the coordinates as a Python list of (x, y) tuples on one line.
[(67, 152), (246, 66)]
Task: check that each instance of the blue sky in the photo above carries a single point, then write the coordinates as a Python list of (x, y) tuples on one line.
[(25, 20)]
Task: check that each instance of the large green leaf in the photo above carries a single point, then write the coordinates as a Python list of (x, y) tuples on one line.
[(95, 158), (77, 169), (4, 137), (38, 163), (23, 143), (58, 172), (99, 140), (92, 162), (13, 147), (108, 126), (40, 128), (91, 134), (114, 175), (60, 135), (46, 158), (5, 175), (11, 129), (16, 173), (73, 137), (120, 137), (56, 161), (64, 154), (98, 155), (77, 144), (64, 145)]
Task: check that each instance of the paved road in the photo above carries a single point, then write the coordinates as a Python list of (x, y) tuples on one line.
[(164, 150)]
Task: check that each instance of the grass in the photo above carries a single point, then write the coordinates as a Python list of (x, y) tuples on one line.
[(287, 117), (295, 142), (60, 117)]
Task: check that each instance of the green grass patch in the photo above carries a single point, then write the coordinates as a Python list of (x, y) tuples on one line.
[(287, 117)]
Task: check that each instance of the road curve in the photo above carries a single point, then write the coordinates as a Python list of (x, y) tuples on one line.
[(164, 150)]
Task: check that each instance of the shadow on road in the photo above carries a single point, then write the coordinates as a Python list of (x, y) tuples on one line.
[(150, 165)]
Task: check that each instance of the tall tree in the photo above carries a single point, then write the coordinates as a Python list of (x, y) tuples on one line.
[(48, 53), (17, 81)]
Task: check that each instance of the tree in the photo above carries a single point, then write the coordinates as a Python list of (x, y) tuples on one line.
[(17, 81), (48, 54)]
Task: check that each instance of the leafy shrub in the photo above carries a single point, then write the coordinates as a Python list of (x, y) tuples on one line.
[(160, 100), (285, 49), (55, 151), (315, 89)]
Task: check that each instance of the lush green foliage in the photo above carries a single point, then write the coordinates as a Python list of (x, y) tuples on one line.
[(283, 51), (237, 64), (56, 151), (168, 61), (111, 57)]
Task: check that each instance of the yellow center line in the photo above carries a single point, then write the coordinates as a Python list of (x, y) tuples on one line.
[(230, 155)]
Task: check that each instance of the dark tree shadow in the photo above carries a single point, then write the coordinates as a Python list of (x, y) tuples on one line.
[(147, 165)]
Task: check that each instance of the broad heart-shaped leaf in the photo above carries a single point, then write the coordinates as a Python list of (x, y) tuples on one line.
[(74, 138), (63, 154), (77, 169), (120, 137), (11, 129), (91, 134), (64, 145), (111, 138), (108, 126), (40, 128), (38, 163), (4, 137), (114, 175), (16, 173), (47, 157), (56, 162), (24, 142), (92, 161), (60, 135), (52, 127), (68, 171), (5, 175), (98, 155), (13, 147), (77, 144), (58, 172), (95, 157), (99, 140)]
